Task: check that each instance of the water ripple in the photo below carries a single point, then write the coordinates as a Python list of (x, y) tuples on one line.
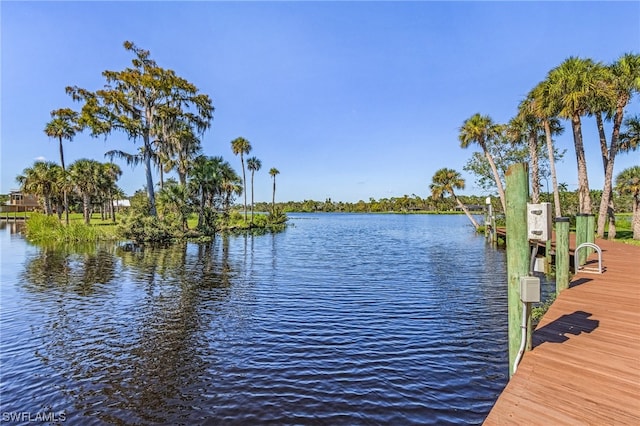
[(347, 319)]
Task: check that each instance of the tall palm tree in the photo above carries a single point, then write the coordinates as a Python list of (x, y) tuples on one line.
[(85, 175), (480, 129), (624, 79), (525, 127), (109, 176), (273, 172), (64, 125), (230, 185), (628, 141), (445, 181), (40, 180), (60, 186), (241, 146), (628, 182), (542, 107), (205, 179), (253, 164), (572, 87)]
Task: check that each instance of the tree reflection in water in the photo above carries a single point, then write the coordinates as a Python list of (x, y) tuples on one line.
[(125, 331)]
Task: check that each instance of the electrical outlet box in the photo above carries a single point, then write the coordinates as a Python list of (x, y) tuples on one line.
[(539, 221), (530, 289)]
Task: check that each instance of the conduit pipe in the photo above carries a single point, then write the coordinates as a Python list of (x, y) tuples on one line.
[(523, 342)]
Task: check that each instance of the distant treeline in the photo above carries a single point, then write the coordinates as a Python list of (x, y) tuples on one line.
[(414, 203)]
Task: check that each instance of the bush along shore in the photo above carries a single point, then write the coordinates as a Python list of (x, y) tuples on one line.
[(153, 229)]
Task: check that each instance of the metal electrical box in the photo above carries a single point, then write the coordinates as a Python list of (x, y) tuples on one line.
[(530, 289), (539, 221)]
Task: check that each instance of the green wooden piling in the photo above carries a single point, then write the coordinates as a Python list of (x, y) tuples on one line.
[(590, 233), (581, 237), (549, 258), (518, 256), (562, 254)]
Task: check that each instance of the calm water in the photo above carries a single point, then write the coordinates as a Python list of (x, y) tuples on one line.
[(341, 319)]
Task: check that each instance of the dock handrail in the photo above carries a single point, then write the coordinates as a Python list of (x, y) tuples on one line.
[(576, 262)]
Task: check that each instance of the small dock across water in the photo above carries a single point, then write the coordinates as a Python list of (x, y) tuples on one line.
[(14, 218), (585, 364)]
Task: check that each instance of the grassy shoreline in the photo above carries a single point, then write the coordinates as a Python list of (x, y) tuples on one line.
[(40, 228)]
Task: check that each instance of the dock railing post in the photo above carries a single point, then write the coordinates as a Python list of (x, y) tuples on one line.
[(562, 254), (518, 256)]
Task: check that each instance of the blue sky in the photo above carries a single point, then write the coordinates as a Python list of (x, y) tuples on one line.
[(349, 100)]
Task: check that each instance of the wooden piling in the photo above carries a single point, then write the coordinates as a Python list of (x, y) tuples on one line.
[(590, 233), (487, 226), (493, 237), (518, 256), (494, 229), (548, 256), (581, 237), (562, 254)]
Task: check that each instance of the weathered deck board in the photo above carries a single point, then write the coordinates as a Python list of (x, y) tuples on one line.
[(585, 364)]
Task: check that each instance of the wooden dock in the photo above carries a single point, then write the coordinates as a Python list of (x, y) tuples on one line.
[(13, 218), (502, 232), (585, 364)]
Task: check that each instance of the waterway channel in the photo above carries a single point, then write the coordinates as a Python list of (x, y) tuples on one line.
[(341, 319)]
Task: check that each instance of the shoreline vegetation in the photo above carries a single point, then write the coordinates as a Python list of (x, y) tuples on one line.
[(44, 229)]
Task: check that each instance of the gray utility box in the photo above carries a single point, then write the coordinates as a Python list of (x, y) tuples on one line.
[(530, 289), (539, 221)]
